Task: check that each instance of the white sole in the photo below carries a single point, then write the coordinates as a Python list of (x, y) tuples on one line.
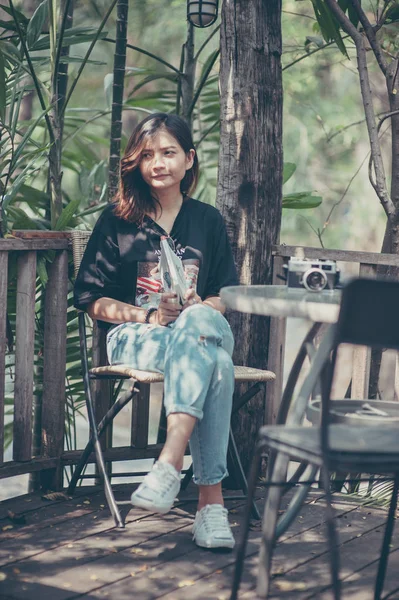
[(215, 545), (147, 505)]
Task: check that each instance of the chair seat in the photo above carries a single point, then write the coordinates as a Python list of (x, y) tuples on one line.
[(367, 448), (126, 371), (241, 374)]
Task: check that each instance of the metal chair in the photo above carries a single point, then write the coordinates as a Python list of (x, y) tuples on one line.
[(368, 316), (139, 391)]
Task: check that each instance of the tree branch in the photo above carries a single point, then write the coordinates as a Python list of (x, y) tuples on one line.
[(370, 34), (379, 184)]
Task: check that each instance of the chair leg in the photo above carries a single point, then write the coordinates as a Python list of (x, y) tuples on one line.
[(239, 473), (382, 566), (241, 548), (109, 495), (80, 466), (269, 524), (111, 414), (187, 478), (332, 536)]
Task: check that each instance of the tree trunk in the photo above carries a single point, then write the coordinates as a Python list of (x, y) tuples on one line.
[(250, 172), (388, 246), (117, 97)]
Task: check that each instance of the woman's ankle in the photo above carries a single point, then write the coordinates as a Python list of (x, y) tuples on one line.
[(210, 494)]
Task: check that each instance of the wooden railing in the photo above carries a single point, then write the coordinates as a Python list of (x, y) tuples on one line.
[(51, 458), (365, 265), (54, 356)]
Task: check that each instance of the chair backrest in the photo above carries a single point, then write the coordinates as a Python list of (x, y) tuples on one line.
[(369, 313), (79, 243)]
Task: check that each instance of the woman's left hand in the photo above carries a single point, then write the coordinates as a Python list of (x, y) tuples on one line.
[(191, 298)]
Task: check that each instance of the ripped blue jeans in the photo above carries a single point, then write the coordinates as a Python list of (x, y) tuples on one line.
[(194, 353)]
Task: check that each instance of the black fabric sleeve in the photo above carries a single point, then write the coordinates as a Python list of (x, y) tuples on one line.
[(99, 270), (222, 270)]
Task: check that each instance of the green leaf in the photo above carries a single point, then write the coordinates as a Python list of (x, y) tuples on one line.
[(21, 17), (36, 24), (329, 26), (67, 215), (2, 87), (41, 269), (108, 82), (301, 200), (75, 35), (288, 171)]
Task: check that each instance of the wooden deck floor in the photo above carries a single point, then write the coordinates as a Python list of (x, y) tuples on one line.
[(69, 549)]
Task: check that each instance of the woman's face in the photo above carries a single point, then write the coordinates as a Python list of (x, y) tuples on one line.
[(164, 163)]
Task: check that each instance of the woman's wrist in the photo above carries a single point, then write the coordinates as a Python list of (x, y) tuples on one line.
[(153, 318), (148, 315)]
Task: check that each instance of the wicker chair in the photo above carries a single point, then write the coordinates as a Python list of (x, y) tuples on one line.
[(140, 384)]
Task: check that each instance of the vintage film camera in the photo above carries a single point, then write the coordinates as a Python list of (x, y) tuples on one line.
[(313, 275)]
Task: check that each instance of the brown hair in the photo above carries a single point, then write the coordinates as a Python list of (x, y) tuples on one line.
[(134, 198)]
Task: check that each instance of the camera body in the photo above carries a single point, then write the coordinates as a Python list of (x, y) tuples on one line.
[(313, 275)]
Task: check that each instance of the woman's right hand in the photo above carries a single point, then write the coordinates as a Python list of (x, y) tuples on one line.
[(168, 310)]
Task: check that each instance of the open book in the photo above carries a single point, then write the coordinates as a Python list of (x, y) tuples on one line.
[(172, 271)]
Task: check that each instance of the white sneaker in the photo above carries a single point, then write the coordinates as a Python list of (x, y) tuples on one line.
[(158, 489), (211, 528)]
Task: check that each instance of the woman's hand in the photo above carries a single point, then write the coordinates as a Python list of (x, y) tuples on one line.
[(191, 298), (168, 310)]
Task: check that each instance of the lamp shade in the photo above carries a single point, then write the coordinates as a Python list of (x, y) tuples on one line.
[(202, 13)]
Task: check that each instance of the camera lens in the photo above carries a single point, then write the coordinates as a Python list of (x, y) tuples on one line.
[(314, 280)]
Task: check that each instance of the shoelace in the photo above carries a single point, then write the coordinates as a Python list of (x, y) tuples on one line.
[(161, 480), (215, 518)]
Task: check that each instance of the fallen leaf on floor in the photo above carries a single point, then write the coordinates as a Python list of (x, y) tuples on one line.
[(114, 550), (143, 568), (288, 586), (219, 571), (56, 496), (16, 571), (133, 574), (93, 577), (3, 576), (67, 585), (185, 583), (138, 551), (86, 502), (17, 519), (7, 527)]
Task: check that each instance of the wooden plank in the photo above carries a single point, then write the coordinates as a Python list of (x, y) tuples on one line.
[(373, 258), (140, 417), (115, 454), (54, 363), (39, 234), (24, 356), (10, 244), (362, 354), (3, 346), (275, 354), (11, 468)]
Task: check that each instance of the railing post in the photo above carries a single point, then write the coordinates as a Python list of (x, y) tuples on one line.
[(54, 362), (24, 356), (3, 335)]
